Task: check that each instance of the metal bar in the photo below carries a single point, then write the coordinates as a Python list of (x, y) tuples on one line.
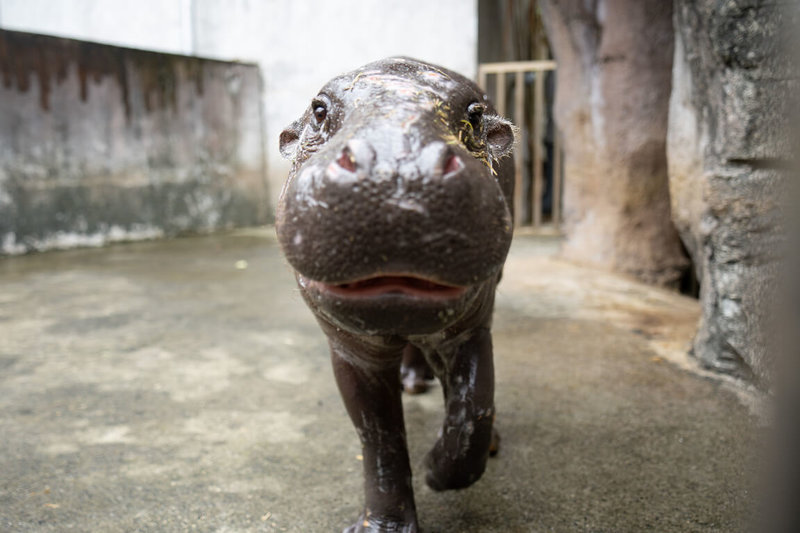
[(519, 120), (513, 66), (500, 87), (538, 115), (534, 135), (556, 205), (482, 77)]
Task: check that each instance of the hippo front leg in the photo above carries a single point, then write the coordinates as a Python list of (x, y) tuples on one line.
[(459, 456), (372, 397)]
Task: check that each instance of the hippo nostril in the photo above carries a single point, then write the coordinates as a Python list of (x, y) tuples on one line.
[(346, 160), (452, 165)]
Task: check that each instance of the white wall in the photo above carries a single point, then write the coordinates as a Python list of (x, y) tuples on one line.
[(149, 24), (299, 44)]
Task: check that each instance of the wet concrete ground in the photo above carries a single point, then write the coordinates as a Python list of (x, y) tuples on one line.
[(163, 387)]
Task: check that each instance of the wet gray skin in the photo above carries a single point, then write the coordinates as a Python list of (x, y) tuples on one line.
[(396, 218)]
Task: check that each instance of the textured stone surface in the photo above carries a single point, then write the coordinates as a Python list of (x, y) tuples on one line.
[(99, 143), (161, 387), (728, 144), (614, 67)]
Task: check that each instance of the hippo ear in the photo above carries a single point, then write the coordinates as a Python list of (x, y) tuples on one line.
[(499, 136), (290, 139)]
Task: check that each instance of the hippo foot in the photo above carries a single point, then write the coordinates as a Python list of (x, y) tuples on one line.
[(415, 380), (494, 446), (443, 472), (376, 524)]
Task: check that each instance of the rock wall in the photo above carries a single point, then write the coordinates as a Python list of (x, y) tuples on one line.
[(100, 143), (728, 148), (614, 71)]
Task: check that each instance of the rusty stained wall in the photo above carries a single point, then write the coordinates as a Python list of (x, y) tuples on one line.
[(100, 143)]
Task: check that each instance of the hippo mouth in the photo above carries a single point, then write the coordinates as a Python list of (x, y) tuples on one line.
[(395, 303), (413, 286)]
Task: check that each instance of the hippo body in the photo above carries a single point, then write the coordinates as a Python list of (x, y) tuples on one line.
[(396, 219)]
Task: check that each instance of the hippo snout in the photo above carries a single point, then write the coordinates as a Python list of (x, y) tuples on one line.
[(357, 159), (444, 217)]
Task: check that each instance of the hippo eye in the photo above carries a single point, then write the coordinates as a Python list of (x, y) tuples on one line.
[(320, 111), (474, 114)]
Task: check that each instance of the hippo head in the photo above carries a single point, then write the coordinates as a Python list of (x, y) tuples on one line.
[(395, 215)]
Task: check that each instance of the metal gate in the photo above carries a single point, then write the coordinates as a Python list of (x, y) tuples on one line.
[(538, 168)]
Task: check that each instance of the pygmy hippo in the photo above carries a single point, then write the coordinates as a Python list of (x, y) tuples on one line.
[(396, 218)]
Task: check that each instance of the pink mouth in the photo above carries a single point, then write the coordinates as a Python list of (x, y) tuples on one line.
[(406, 285)]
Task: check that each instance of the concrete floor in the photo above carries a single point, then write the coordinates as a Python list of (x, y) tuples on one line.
[(163, 387)]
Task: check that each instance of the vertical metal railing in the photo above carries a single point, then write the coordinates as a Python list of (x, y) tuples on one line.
[(532, 131)]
